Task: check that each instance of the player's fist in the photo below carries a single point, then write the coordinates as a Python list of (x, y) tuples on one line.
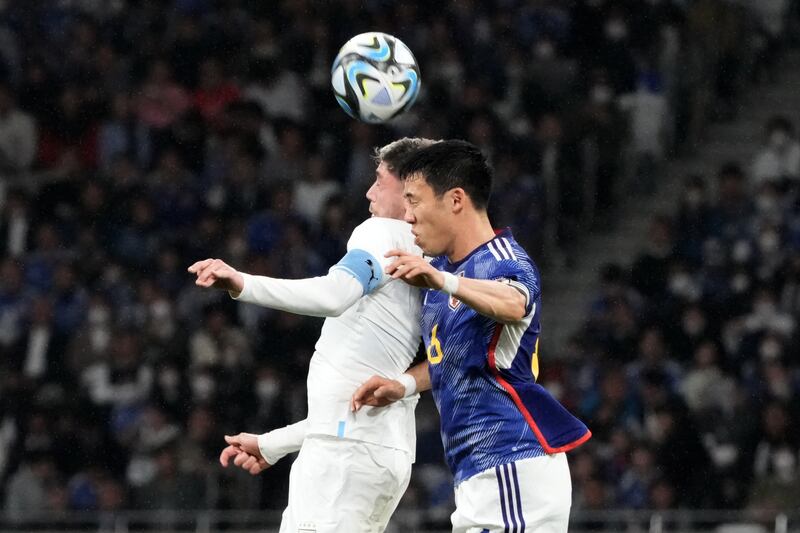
[(243, 450), (244, 460), (247, 442), (377, 392), (217, 274)]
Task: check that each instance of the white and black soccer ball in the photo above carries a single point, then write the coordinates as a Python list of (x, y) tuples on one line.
[(375, 77)]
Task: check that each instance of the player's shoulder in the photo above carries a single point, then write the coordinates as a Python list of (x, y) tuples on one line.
[(380, 235), (379, 226), (503, 247), (504, 254)]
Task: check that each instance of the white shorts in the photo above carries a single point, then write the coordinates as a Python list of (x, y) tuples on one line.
[(530, 495), (344, 486)]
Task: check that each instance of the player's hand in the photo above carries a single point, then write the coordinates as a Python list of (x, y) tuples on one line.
[(246, 461), (243, 449), (217, 274), (414, 270), (377, 391)]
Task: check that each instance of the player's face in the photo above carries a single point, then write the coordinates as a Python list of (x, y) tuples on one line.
[(428, 216), (386, 194)]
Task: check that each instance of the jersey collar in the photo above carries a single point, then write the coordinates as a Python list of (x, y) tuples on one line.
[(498, 233)]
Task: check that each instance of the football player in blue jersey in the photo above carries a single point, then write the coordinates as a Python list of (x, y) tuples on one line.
[(504, 435)]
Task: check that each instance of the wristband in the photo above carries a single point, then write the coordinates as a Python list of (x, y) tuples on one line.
[(450, 283), (409, 383)]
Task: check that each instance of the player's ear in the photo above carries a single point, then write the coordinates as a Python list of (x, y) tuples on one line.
[(457, 197)]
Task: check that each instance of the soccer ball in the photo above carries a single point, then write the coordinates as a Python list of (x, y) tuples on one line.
[(375, 77)]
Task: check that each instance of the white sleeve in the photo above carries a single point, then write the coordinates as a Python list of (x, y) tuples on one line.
[(329, 295), (276, 444)]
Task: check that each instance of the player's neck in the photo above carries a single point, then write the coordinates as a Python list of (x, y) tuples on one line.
[(473, 231)]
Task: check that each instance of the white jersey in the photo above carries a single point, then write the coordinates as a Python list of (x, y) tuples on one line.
[(378, 335)]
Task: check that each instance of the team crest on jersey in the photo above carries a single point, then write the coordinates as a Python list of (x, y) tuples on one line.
[(454, 302)]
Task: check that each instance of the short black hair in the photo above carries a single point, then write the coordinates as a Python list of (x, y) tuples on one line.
[(449, 164), (394, 154)]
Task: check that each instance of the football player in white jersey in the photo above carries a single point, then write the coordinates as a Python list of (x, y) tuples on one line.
[(352, 468)]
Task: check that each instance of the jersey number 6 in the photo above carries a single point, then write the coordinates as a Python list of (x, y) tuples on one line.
[(435, 346)]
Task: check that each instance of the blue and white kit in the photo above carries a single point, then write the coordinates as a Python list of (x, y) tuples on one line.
[(494, 415)]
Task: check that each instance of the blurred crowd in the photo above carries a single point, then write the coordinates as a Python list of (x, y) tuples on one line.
[(139, 136), (692, 380)]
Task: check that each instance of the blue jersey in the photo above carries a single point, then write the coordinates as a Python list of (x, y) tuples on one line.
[(483, 373)]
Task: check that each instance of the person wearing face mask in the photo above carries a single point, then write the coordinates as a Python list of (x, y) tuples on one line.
[(773, 459), (694, 329), (730, 217), (268, 398), (768, 203), (603, 127), (779, 158), (770, 251), (352, 468), (693, 223), (650, 271), (647, 109), (772, 17), (550, 76), (556, 162), (614, 53), (767, 316)]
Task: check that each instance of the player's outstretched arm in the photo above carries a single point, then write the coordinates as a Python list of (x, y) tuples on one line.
[(497, 300), (357, 274), (378, 391), (329, 295)]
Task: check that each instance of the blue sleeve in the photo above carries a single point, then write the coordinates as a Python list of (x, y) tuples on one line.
[(363, 267), (522, 277)]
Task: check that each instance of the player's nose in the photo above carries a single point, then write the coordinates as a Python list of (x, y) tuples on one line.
[(371, 193)]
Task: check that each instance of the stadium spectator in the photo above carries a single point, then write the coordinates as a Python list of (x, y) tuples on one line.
[(17, 135), (775, 461), (312, 192), (779, 159), (31, 487)]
